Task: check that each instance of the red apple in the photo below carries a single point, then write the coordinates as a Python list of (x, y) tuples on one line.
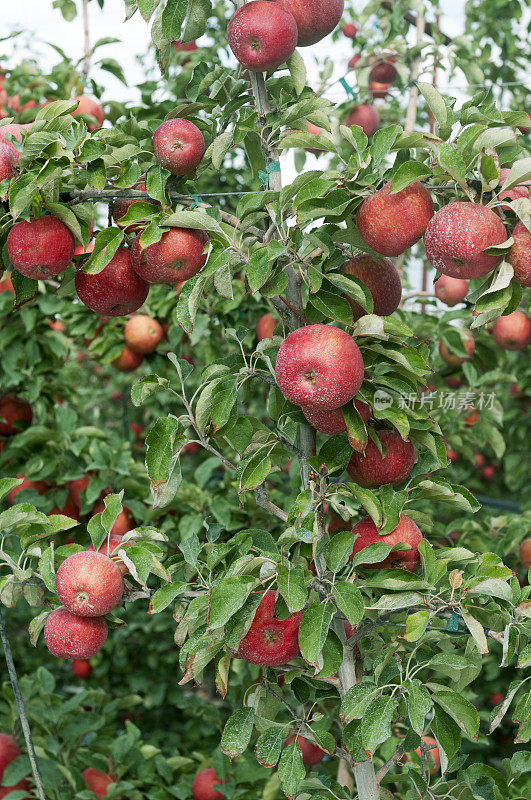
[(524, 553), (406, 531), (350, 30), (451, 358), (451, 290), (513, 332), (7, 162), (496, 698), (89, 106), (265, 328), (69, 636), (314, 19), (12, 130), (311, 753), (81, 668), (176, 257), (97, 781), (115, 291), (333, 422), (41, 487), (452, 456), (41, 248), (457, 236), (520, 255), (489, 473), (479, 458), (89, 584), (9, 751), (366, 117), (471, 418), (203, 785), (381, 278), (433, 753), (390, 223), (319, 366), (15, 414), (6, 285), (77, 486), (179, 146), (142, 334), (127, 361), (370, 469), (383, 72), (453, 382), (262, 35), (514, 193), (21, 786), (270, 641), (379, 90)]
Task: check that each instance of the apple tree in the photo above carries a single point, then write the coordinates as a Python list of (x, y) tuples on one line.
[(305, 554)]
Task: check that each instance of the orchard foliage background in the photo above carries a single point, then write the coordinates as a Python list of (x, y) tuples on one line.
[(227, 487)]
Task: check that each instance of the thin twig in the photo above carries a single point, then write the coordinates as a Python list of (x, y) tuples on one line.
[(20, 705), (397, 755)]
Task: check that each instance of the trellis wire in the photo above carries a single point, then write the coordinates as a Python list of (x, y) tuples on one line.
[(108, 195), (20, 706)]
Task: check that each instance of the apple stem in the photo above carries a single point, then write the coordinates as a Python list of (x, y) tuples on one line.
[(20, 706)]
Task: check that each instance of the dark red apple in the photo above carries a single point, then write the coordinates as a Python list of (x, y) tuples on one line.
[(311, 753), (89, 584), (370, 469), (513, 332), (319, 366), (406, 531), (332, 422), (520, 255), (381, 278), (179, 146), (271, 642), (366, 116), (176, 257), (390, 223), (15, 414), (204, 783), (40, 248), (262, 35), (115, 291), (69, 636), (457, 236), (314, 18), (7, 162)]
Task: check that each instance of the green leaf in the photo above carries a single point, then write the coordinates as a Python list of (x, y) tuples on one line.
[(349, 600), (291, 769), (376, 722), (460, 710), (6, 484), (419, 703), (409, 172), (147, 386), (254, 470), (226, 598), (199, 220), (297, 69), (357, 699), (268, 747), (338, 550), (292, 587), (105, 246), (172, 19), (237, 732), (196, 19), (219, 147), (434, 101), (313, 631), (258, 268), (164, 596), (416, 625)]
